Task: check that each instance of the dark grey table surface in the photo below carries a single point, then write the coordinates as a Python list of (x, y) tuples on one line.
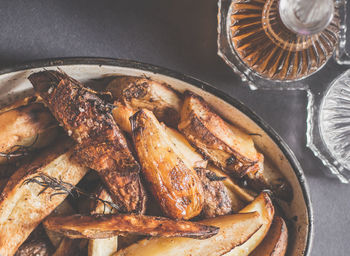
[(179, 35)]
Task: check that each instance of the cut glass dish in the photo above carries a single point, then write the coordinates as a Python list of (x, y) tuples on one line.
[(328, 110)]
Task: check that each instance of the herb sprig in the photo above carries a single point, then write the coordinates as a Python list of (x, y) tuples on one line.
[(64, 188)]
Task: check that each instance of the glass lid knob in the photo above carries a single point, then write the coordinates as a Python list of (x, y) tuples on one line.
[(306, 17)]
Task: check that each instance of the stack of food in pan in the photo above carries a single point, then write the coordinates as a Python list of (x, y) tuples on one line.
[(134, 169)]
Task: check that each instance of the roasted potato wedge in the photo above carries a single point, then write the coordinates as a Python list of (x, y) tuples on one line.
[(234, 230), (140, 92), (25, 128), (263, 205), (107, 246), (122, 116), (101, 145), (22, 206), (106, 226), (229, 149), (173, 182), (276, 241)]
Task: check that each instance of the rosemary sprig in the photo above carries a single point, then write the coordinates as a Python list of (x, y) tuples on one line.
[(19, 150), (64, 188)]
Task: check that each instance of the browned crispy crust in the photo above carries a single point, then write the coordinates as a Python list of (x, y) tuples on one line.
[(21, 208), (105, 226), (101, 144), (173, 182), (216, 196), (207, 131), (142, 92)]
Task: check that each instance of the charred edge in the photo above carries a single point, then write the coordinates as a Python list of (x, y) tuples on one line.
[(231, 160), (135, 128), (45, 79), (209, 174), (136, 90), (213, 177), (189, 93), (209, 232), (106, 97)]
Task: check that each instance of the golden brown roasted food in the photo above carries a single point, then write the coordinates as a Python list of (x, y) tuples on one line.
[(22, 206), (24, 128), (276, 241), (228, 147), (103, 247), (234, 230), (263, 205), (104, 226), (101, 144), (141, 92), (217, 200), (230, 150), (121, 114), (173, 182)]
